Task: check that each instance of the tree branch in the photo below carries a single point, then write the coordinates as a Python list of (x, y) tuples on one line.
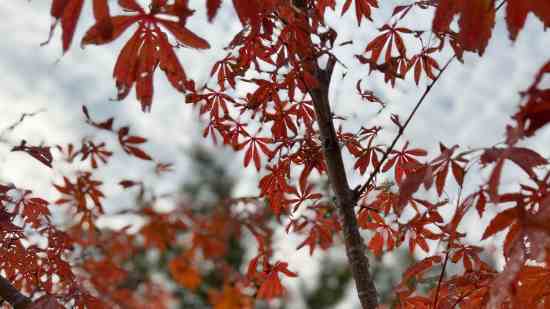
[(361, 190), (10, 294), (345, 198)]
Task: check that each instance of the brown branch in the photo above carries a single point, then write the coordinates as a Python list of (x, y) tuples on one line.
[(10, 294), (345, 198), (361, 190)]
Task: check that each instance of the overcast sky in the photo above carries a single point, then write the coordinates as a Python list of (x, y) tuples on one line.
[(470, 106)]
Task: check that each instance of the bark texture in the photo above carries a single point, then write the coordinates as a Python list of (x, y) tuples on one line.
[(345, 196), (11, 295)]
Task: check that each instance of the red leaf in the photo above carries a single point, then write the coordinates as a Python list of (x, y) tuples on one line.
[(247, 10), (310, 241), (248, 155), (501, 221), (417, 152), (126, 66), (516, 14), (517, 11), (272, 287), (127, 183), (417, 71), (69, 19), (510, 239), (362, 9), (412, 183), (376, 244), (525, 158), (212, 7), (476, 22), (184, 35), (148, 60), (96, 34), (480, 205), (101, 14), (40, 153), (58, 6), (458, 173), (130, 5), (420, 267), (494, 180), (135, 140), (138, 153), (440, 179), (389, 164), (171, 66)]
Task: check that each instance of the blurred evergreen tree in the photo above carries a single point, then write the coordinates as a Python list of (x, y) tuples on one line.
[(333, 281), (209, 183)]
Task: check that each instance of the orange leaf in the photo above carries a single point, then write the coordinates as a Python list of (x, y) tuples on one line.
[(272, 287), (184, 273), (230, 298)]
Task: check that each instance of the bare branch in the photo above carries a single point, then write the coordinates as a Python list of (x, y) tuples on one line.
[(360, 190), (14, 125), (345, 197)]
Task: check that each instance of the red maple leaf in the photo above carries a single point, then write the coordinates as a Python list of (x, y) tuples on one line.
[(148, 48)]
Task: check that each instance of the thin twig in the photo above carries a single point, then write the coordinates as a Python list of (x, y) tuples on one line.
[(19, 122), (362, 189), (447, 252), (500, 5), (441, 275)]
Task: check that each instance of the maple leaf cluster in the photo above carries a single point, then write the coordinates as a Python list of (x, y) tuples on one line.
[(283, 126)]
